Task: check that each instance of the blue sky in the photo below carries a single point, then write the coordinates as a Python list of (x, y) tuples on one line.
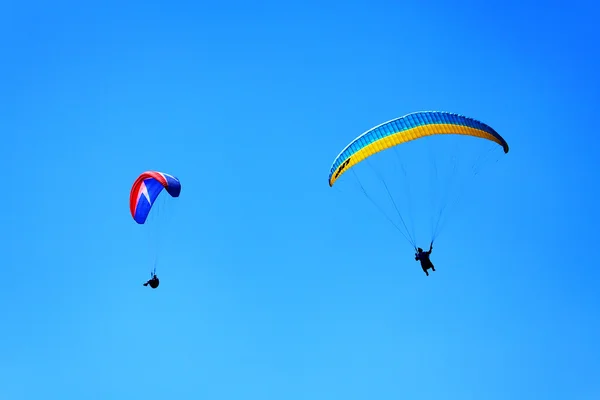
[(273, 285)]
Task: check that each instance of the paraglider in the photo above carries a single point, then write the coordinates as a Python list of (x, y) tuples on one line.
[(404, 129), (144, 192), (397, 133), (146, 189)]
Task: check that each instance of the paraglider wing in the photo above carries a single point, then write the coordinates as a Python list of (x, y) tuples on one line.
[(146, 189), (404, 129)]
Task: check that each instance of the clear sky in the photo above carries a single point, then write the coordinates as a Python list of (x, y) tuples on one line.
[(274, 285)]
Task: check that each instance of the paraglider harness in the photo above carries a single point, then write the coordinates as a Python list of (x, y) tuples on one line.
[(419, 252), (153, 281), (423, 257)]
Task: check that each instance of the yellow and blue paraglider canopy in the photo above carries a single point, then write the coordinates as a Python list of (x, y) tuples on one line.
[(404, 129)]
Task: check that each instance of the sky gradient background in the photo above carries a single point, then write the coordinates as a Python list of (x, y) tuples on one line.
[(273, 285)]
